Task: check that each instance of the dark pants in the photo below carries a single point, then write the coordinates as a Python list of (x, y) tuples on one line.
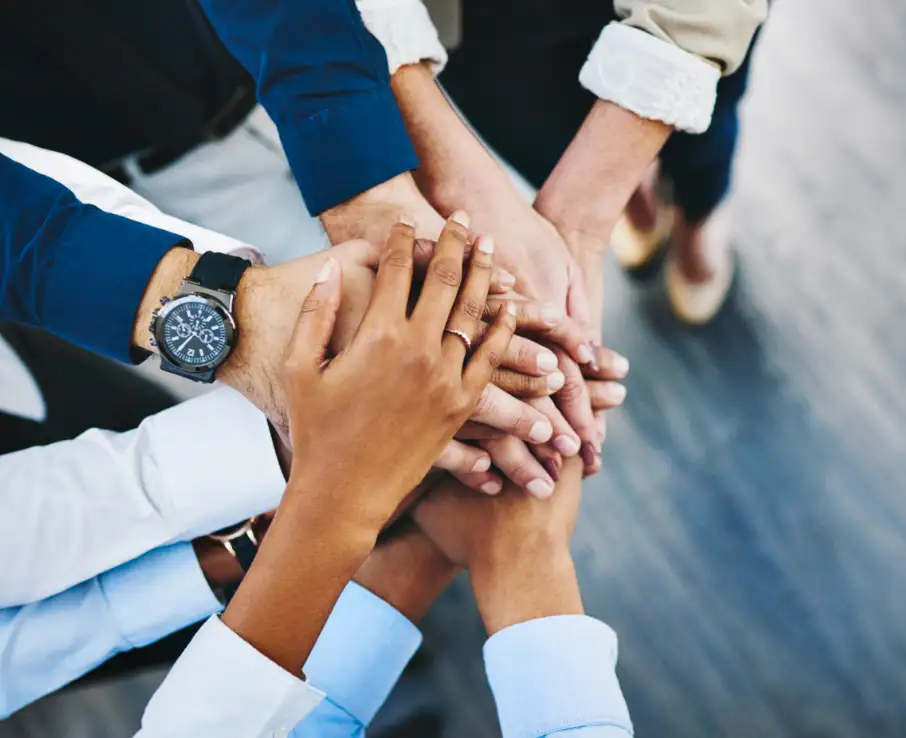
[(515, 77)]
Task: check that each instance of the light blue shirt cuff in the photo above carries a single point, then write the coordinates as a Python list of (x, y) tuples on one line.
[(222, 686), (361, 653), (555, 674), (166, 593)]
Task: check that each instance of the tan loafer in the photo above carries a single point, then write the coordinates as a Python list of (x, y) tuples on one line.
[(640, 253)]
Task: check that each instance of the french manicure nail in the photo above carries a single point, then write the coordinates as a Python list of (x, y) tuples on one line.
[(566, 445), (505, 279), (551, 468), (486, 244), (540, 488), (461, 217), (547, 362), (490, 488), (594, 359), (551, 314), (482, 465), (325, 271), (620, 365), (585, 354), (541, 431), (406, 221), (555, 381), (588, 454), (511, 308), (616, 393)]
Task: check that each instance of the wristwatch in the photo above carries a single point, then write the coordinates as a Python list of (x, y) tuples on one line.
[(195, 331), (240, 540), (242, 543)]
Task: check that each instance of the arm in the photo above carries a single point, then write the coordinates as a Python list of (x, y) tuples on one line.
[(77, 508), (320, 74), (517, 552), (50, 643)]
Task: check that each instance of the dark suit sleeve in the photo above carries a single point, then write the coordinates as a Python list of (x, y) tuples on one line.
[(70, 268), (323, 78)]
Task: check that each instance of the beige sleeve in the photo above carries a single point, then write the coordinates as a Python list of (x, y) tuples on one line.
[(717, 30)]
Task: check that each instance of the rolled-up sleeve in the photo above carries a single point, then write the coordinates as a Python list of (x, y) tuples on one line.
[(324, 80), (717, 30)]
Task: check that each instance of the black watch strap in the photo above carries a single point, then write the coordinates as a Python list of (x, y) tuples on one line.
[(215, 271), (245, 549)]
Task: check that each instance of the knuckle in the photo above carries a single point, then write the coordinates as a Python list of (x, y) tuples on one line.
[(494, 358), (447, 271), (571, 390), (471, 308), (311, 304), (398, 258), (484, 406), (523, 353)]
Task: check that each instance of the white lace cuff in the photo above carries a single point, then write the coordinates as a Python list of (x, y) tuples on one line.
[(652, 78), (406, 32)]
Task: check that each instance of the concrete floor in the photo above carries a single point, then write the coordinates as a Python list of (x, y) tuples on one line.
[(747, 538)]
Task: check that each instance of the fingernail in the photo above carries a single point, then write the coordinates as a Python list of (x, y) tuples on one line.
[(620, 366), (325, 271), (461, 217), (551, 468), (486, 244), (615, 392), (547, 362), (541, 431), (585, 353), (566, 445), (491, 488), (594, 359), (511, 308), (540, 488), (551, 314), (602, 428), (555, 381), (505, 279), (406, 221), (482, 465), (588, 454)]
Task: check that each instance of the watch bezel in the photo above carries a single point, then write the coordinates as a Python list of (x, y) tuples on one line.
[(229, 328)]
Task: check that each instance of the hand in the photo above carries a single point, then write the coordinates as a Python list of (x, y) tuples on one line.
[(378, 415), (515, 547), (373, 213)]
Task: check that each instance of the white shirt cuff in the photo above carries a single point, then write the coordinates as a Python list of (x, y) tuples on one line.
[(204, 481), (556, 674), (222, 686), (361, 652), (406, 32), (166, 593), (652, 78)]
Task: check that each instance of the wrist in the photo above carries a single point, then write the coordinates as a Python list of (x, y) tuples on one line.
[(515, 589), (165, 281), (409, 573)]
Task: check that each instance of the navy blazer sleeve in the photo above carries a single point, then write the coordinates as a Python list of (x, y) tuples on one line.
[(323, 78), (70, 268)]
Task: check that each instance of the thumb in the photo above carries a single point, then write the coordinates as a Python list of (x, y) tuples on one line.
[(314, 327)]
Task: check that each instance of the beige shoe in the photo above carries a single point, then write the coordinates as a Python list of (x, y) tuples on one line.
[(697, 303), (637, 251)]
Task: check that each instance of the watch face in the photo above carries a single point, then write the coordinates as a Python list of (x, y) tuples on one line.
[(195, 332)]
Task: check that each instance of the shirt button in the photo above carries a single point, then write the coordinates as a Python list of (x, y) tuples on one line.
[(281, 732)]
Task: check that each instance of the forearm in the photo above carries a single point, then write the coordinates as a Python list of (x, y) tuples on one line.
[(589, 187), (455, 166), (307, 558)]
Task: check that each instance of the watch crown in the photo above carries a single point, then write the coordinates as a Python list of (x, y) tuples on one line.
[(153, 342)]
